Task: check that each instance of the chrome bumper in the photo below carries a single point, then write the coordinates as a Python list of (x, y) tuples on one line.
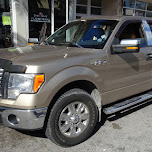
[(22, 119)]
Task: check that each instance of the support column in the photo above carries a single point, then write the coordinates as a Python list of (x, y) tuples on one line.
[(67, 11), (20, 23), (72, 10), (52, 16), (114, 9)]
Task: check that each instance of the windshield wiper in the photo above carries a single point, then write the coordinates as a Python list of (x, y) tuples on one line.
[(45, 42)]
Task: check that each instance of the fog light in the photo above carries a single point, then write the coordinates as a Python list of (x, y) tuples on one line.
[(14, 120)]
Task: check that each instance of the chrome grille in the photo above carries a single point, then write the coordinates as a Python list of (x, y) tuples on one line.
[(1, 80)]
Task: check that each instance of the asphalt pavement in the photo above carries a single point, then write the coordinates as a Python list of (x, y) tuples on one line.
[(129, 131)]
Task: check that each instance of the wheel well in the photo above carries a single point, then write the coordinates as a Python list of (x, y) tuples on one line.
[(82, 84)]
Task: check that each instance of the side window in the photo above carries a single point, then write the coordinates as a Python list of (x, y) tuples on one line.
[(150, 26), (132, 31)]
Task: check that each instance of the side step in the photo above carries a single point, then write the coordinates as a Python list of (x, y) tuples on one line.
[(127, 103)]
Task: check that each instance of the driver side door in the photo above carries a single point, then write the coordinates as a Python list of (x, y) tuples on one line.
[(129, 73)]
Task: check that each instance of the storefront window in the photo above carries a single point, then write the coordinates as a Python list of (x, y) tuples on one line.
[(96, 7), (5, 24), (149, 14), (82, 9), (88, 7), (59, 13), (137, 8), (139, 13), (140, 5), (96, 3), (149, 6), (129, 3), (96, 11), (83, 2), (39, 19), (128, 12)]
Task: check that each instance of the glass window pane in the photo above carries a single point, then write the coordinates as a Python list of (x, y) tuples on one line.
[(39, 18), (59, 13), (149, 6), (140, 5), (2, 5), (96, 3), (96, 11), (5, 24), (84, 2), (82, 9), (149, 14), (129, 3), (139, 13), (128, 12)]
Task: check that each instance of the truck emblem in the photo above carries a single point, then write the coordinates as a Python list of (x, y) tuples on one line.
[(99, 62)]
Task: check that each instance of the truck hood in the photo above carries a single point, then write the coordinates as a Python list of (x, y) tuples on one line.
[(38, 53)]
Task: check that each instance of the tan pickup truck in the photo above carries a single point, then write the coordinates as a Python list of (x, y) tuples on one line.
[(87, 67)]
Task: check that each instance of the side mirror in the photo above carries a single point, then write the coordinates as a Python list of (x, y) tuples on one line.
[(127, 46), (32, 41)]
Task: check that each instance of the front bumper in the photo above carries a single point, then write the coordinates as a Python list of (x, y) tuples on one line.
[(22, 119)]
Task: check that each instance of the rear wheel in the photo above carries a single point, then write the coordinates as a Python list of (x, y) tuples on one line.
[(72, 119)]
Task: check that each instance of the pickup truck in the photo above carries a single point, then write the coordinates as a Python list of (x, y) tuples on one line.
[(86, 68)]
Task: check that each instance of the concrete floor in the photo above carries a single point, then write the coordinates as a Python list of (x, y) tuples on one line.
[(130, 131)]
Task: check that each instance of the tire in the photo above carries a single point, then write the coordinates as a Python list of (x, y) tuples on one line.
[(72, 118)]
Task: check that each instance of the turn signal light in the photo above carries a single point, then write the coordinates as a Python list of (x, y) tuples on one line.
[(30, 43), (39, 79), (132, 48)]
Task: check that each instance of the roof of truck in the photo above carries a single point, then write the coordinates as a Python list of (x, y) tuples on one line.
[(116, 18)]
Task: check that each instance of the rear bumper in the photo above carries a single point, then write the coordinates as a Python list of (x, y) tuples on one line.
[(23, 119)]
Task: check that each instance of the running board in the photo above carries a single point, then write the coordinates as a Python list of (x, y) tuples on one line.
[(127, 103)]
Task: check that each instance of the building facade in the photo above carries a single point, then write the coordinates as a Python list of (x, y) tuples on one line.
[(24, 19)]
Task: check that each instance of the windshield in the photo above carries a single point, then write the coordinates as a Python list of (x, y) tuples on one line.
[(84, 33)]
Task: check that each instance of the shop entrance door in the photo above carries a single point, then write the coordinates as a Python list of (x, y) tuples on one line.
[(39, 19)]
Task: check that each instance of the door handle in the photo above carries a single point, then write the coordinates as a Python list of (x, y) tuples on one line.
[(149, 56)]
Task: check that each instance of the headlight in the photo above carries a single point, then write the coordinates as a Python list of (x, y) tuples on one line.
[(23, 83)]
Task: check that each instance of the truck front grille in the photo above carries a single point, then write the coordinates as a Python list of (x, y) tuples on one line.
[(1, 81)]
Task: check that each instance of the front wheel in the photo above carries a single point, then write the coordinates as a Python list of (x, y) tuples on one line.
[(72, 119)]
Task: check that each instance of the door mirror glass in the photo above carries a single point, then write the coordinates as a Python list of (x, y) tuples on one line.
[(130, 42)]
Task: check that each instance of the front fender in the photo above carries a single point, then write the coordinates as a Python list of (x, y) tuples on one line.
[(67, 76), (52, 86)]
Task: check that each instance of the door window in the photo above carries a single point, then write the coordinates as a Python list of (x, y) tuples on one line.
[(132, 31)]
